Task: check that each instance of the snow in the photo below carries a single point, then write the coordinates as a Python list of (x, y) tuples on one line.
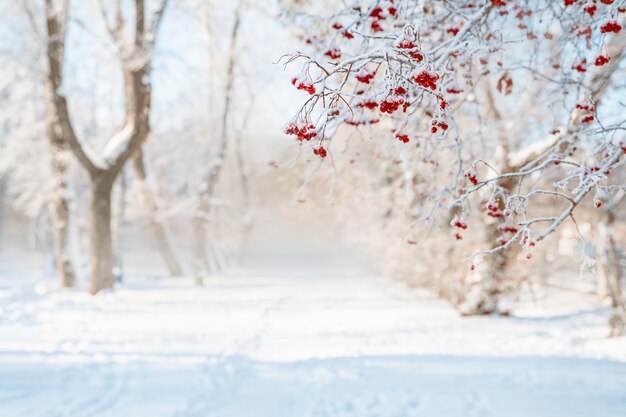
[(118, 144), (299, 343)]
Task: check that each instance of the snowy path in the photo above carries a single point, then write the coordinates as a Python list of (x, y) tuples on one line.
[(305, 346)]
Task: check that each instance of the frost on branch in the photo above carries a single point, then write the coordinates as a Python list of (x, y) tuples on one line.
[(533, 147)]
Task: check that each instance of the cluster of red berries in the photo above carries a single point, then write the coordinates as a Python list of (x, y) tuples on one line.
[(303, 132), (320, 151), (394, 99), (496, 214), (588, 110), (402, 137), (590, 8), (426, 79), (601, 60), (458, 223), (609, 27), (493, 210), (304, 85), (345, 33), (333, 53), (364, 76), (471, 175), (368, 104), (410, 48), (378, 14), (454, 89), (437, 123)]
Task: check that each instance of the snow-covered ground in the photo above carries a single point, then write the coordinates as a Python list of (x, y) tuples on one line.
[(299, 344)]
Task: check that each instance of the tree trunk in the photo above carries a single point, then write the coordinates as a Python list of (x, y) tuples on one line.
[(617, 320), (248, 212), (61, 204), (101, 248), (156, 225), (60, 157), (493, 278), (208, 257)]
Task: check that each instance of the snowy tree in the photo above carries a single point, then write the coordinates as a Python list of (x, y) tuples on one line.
[(136, 55), (423, 75)]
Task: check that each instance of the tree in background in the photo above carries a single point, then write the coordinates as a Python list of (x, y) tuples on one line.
[(136, 56)]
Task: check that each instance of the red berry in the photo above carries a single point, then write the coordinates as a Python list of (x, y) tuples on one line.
[(333, 53), (376, 27), (426, 79), (402, 137), (609, 27), (601, 60), (303, 85), (376, 13), (365, 76), (471, 176), (591, 9), (456, 222)]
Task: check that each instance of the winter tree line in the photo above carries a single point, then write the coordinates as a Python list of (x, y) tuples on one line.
[(461, 141)]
